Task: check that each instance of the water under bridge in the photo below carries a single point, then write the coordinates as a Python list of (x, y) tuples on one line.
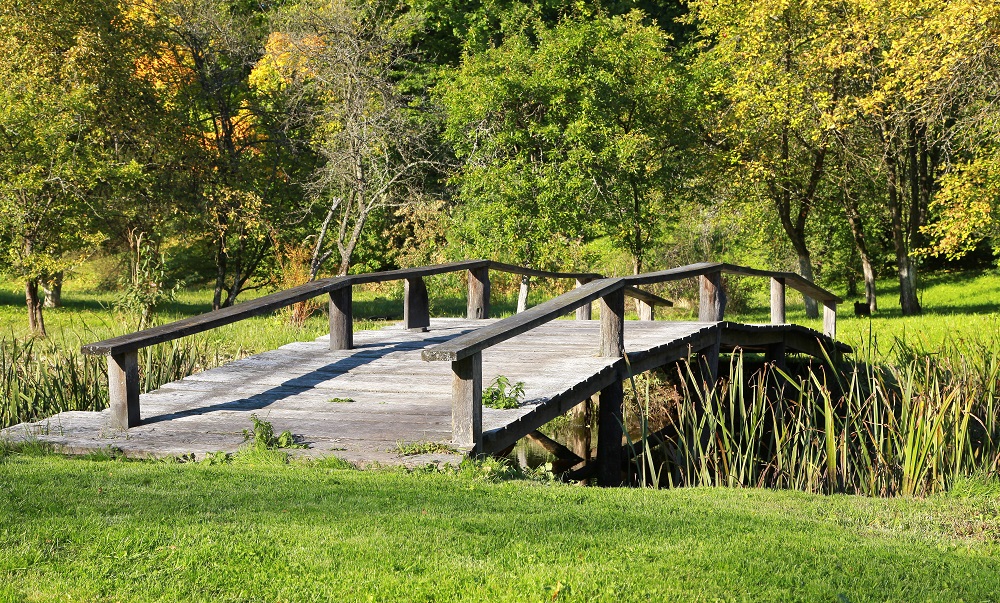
[(358, 395)]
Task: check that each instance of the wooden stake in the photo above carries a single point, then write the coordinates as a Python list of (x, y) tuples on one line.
[(467, 402), (712, 302), (613, 324), (341, 319), (583, 312), (778, 301), (830, 319), (416, 311), (123, 387), (479, 293), (609, 436)]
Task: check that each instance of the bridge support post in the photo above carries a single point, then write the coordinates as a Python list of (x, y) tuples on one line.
[(467, 402), (712, 302), (609, 435), (123, 387), (830, 319), (416, 312), (583, 312), (778, 301), (613, 324), (341, 319), (646, 311), (479, 293)]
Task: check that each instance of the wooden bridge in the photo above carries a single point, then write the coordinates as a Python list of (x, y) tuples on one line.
[(358, 395)]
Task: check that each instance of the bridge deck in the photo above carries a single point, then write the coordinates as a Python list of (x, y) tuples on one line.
[(362, 403)]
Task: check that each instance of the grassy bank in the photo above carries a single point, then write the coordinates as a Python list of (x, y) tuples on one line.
[(107, 530)]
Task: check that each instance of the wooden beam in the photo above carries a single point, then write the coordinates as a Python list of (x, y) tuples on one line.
[(830, 319), (712, 299), (584, 312), (609, 435), (467, 403), (613, 324), (123, 387), (416, 311), (341, 319), (553, 447), (777, 301), (646, 311), (479, 293)]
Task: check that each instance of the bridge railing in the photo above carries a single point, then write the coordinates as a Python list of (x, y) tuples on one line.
[(122, 351), (465, 351)]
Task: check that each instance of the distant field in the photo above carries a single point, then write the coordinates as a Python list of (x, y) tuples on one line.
[(262, 530)]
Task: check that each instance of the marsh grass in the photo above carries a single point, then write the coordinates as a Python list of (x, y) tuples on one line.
[(915, 428)]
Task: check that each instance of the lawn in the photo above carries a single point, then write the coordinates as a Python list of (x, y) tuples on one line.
[(254, 530)]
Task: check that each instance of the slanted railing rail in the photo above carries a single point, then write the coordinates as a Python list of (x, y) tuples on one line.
[(122, 351), (465, 351)]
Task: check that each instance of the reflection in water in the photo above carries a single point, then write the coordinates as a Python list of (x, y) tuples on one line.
[(577, 432)]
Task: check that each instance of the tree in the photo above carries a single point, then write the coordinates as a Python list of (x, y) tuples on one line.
[(63, 66), (778, 66), (342, 59), (568, 131)]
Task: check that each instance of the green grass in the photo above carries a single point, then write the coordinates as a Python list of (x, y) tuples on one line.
[(108, 530)]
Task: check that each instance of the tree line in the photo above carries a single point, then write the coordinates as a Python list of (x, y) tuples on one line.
[(248, 144)]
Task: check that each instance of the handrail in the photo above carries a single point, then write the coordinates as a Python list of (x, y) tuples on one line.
[(122, 351), (276, 301), (468, 344), (795, 281)]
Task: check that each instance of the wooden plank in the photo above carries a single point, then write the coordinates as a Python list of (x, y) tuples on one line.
[(123, 386), (795, 281), (467, 403), (553, 447), (341, 319), (673, 274), (613, 324), (646, 311), (647, 297), (416, 309), (472, 343), (777, 301)]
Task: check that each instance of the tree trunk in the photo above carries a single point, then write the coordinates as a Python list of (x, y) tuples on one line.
[(858, 233), (806, 270), (904, 264), (220, 275), (53, 291), (36, 322)]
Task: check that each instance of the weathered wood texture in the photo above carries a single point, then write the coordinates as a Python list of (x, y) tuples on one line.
[(613, 324), (416, 306), (341, 319), (830, 319), (712, 298), (646, 311), (777, 301), (479, 293), (584, 312), (467, 402), (123, 389)]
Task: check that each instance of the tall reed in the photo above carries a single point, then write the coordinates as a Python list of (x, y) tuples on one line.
[(910, 429), (42, 377)]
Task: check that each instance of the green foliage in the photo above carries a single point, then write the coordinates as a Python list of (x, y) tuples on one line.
[(503, 394), (145, 288), (261, 436), (565, 132), (415, 448)]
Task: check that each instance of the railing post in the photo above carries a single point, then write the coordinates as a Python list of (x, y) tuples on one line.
[(609, 435), (613, 324), (645, 311), (479, 293), (583, 312), (712, 302), (777, 301), (416, 312), (341, 319), (467, 402), (123, 387), (830, 319)]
